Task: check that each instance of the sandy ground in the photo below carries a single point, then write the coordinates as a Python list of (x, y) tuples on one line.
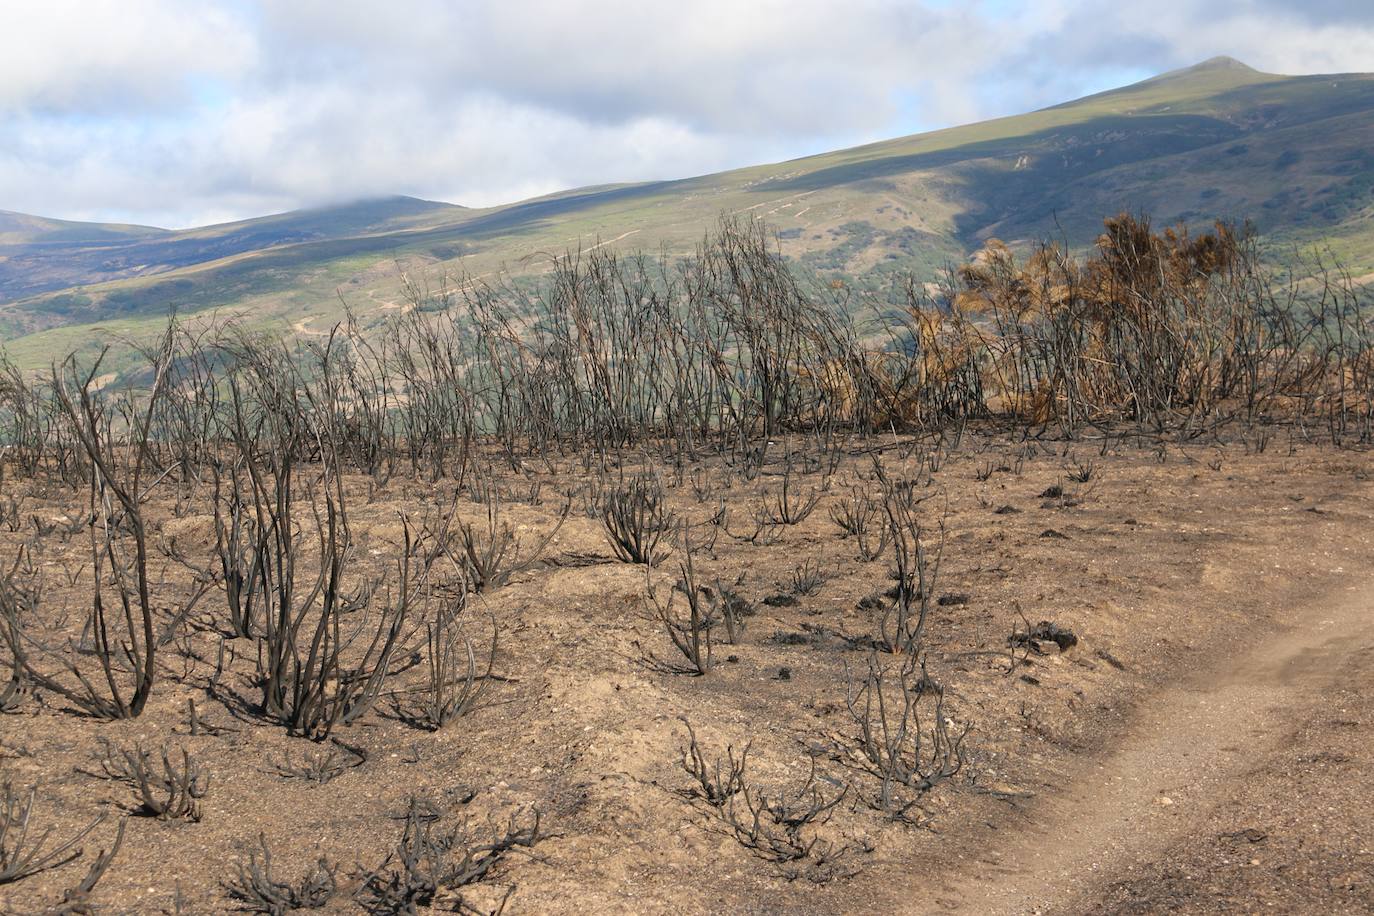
[(1205, 747)]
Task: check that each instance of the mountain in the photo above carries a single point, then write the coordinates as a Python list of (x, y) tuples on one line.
[(1218, 140)]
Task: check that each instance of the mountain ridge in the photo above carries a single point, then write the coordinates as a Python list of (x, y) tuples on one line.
[(65, 253)]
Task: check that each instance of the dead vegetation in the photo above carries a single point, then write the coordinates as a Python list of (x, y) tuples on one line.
[(168, 792), (257, 889), (636, 519), (26, 849), (781, 828), (431, 864), (319, 764), (903, 736)]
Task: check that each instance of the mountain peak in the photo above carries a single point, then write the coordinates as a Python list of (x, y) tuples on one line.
[(1222, 62), (1218, 64), (1207, 76)]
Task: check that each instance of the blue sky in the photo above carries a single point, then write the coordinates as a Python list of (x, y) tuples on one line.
[(174, 113)]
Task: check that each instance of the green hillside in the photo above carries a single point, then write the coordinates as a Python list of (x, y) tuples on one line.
[(1293, 154)]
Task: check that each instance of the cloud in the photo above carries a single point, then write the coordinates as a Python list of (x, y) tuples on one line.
[(174, 113), (1321, 12), (105, 57)]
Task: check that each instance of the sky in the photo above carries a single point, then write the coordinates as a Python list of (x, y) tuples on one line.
[(173, 113)]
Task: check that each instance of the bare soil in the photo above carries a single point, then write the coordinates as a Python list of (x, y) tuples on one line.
[(1205, 747)]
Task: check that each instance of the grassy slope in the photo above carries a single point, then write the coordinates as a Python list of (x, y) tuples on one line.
[(1218, 140)]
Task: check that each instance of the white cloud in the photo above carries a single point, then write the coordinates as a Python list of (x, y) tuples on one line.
[(106, 56), (161, 111)]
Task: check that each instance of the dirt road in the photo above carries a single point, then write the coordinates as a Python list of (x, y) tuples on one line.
[(1248, 787)]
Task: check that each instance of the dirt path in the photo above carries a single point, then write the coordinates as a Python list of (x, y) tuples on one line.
[(1161, 796)]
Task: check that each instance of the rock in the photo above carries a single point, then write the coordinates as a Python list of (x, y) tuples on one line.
[(1044, 632)]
